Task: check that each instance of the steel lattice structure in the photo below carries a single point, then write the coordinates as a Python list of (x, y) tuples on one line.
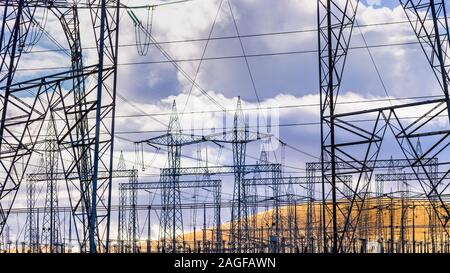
[(78, 106), (89, 147), (362, 143)]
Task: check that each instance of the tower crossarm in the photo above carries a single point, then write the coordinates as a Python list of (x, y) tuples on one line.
[(170, 139), (212, 170), (38, 177), (230, 136), (157, 185), (302, 180)]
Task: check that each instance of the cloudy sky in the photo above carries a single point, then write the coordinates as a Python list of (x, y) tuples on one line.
[(280, 40)]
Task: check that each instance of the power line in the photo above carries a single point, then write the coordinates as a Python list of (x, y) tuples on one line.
[(269, 54), (200, 63), (227, 37), (281, 125), (250, 109), (292, 106), (373, 62), (243, 53)]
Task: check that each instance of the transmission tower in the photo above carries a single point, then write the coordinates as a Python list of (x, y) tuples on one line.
[(379, 221), (90, 145), (16, 21), (347, 191), (403, 187), (362, 142), (171, 220), (127, 227), (239, 137), (336, 21), (239, 212), (292, 224), (252, 198), (51, 224), (31, 225), (310, 209)]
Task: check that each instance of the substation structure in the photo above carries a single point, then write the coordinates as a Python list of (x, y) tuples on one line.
[(351, 200)]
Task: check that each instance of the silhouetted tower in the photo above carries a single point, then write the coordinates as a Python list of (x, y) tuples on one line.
[(122, 233), (133, 226), (404, 228), (391, 171), (267, 217), (128, 225), (311, 240), (433, 199), (252, 198), (51, 225), (239, 212), (347, 190), (31, 228), (171, 220), (238, 137), (5, 240), (171, 215), (379, 221), (292, 224)]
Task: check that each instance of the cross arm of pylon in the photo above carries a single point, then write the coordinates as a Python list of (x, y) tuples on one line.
[(174, 139), (157, 185), (294, 180), (230, 136), (263, 168), (43, 176)]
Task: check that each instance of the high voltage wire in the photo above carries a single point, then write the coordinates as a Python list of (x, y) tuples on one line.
[(276, 33), (245, 57), (275, 125), (169, 59), (270, 54), (288, 106), (279, 125), (201, 60), (372, 59), (243, 53), (272, 107), (179, 68), (200, 63)]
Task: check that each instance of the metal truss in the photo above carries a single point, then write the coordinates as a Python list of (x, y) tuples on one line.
[(215, 183), (51, 225), (433, 37), (216, 170), (41, 175), (335, 24), (31, 226), (163, 186), (354, 145), (171, 217), (16, 22), (21, 124), (91, 148), (130, 228), (174, 139), (294, 180)]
